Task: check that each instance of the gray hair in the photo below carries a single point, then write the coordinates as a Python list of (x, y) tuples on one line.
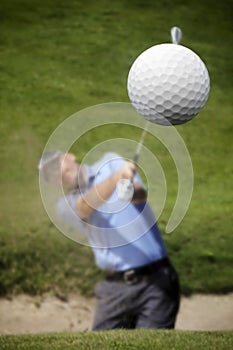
[(49, 166)]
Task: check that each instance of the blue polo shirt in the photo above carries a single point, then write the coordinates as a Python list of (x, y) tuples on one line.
[(123, 235)]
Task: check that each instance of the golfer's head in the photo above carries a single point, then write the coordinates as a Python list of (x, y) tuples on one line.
[(61, 169)]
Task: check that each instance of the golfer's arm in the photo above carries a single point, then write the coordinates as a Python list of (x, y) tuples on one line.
[(96, 197)]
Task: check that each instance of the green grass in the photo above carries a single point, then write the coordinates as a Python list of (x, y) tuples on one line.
[(57, 58), (121, 340)]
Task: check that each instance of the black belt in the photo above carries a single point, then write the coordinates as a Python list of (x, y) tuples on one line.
[(135, 275)]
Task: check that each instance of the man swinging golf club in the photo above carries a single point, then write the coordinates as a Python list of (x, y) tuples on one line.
[(141, 287)]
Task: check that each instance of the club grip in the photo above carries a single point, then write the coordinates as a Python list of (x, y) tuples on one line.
[(135, 158)]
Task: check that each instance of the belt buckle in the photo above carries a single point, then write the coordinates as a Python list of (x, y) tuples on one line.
[(130, 277)]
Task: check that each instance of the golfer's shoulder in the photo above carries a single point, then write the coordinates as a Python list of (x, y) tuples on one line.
[(108, 159), (111, 156), (67, 202)]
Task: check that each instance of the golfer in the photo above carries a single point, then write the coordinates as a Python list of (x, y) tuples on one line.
[(141, 287)]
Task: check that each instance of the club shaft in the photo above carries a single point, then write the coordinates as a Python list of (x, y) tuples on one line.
[(139, 147)]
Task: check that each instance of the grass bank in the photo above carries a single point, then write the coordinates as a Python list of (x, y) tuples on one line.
[(125, 340)]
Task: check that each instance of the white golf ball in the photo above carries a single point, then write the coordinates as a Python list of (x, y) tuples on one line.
[(168, 83)]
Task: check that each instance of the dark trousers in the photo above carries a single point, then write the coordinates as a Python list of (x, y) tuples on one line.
[(152, 302)]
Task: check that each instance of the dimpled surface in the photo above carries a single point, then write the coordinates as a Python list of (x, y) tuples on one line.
[(168, 83)]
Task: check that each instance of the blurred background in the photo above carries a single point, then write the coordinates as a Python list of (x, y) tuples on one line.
[(58, 57)]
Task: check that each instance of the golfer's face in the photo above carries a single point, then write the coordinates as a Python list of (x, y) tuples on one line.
[(70, 169)]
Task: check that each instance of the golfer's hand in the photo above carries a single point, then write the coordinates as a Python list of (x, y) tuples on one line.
[(127, 171), (125, 189)]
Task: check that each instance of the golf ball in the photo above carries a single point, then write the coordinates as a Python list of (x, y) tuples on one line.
[(168, 84)]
